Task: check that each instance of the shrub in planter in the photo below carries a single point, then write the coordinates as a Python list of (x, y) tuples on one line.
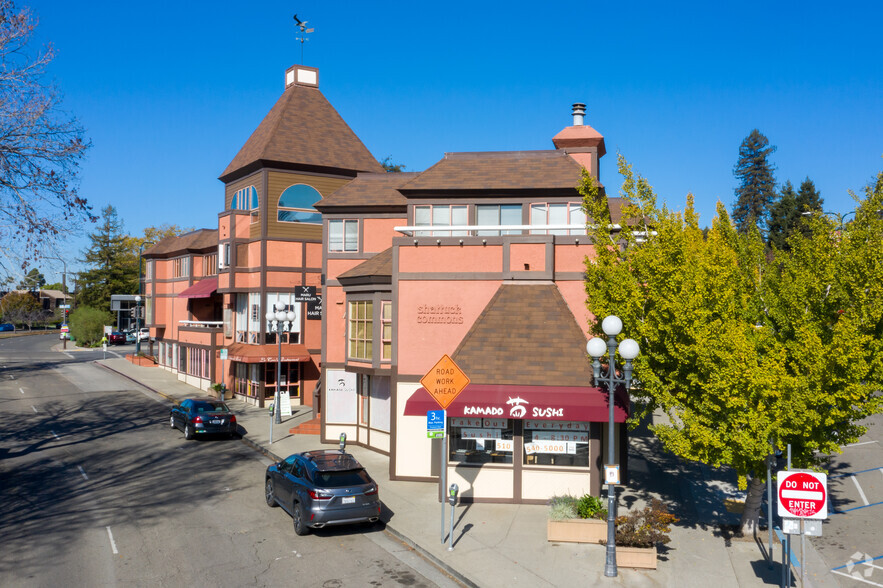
[(576, 520), (646, 527)]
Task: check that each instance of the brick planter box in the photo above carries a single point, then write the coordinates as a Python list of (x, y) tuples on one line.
[(141, 360)]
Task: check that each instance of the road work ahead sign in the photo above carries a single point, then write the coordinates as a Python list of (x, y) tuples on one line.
[(445, 381), (803, 495)]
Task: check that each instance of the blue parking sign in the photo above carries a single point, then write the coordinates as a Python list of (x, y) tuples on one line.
[(435, 424)]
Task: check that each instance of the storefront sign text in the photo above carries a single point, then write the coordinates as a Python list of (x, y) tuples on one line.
[(576, 437), (481, 433), (440, 314)]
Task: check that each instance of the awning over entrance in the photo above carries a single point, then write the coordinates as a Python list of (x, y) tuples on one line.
[(267, 353), (557, 403), (201, 289)]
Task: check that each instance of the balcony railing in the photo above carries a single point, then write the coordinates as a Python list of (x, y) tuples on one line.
[(202, 324)]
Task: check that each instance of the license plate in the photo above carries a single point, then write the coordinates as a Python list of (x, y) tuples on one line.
[(349, 500), (216, 421)]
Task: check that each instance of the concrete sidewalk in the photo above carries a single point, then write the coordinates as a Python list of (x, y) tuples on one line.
[(505, 544)]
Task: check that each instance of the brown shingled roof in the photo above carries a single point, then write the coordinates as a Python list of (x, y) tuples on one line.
[(526, 335), (303, 129), (379, 266), (198, 241), (370, 190), (504, 170)]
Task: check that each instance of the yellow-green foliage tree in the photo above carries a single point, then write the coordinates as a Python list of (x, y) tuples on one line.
[(741, 349)]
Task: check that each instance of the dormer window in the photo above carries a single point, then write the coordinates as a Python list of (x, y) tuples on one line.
[(296, 205)]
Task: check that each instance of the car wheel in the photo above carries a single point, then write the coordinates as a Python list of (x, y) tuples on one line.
[(300, 525), (269, 494), (188, 432), (172, 422)]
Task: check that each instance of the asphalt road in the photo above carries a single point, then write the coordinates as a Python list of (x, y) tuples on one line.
[(96, 490), (853, 533)]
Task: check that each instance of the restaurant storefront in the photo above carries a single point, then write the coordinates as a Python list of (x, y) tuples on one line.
[(509, 439)]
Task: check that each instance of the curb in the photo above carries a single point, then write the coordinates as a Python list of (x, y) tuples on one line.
[(444, 567)]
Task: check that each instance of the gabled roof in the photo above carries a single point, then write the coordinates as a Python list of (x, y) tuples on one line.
[(302, 131), (370, 190), (530, 322), (199, 241), (378, 269), (491, 171)]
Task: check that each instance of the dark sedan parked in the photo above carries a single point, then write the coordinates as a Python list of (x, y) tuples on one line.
[(319, 488), (197, 416)]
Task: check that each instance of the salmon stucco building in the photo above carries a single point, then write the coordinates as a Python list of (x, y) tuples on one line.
[(479, 258)]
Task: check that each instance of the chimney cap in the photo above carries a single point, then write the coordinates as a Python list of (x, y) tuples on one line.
[(579, 112)]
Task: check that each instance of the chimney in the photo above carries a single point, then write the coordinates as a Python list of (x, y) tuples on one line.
[(579, 113), (581, 142)]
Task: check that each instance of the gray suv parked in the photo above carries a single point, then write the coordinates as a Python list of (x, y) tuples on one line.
[(319, 488)]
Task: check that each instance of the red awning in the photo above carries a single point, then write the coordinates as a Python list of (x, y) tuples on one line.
[(201, 289), (557, 403), (267, 353)]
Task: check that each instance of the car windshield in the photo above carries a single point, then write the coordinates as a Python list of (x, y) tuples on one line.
[(341, 479), (206, 406)]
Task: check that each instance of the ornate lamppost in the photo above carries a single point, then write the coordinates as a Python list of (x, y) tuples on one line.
[(628, 350), (276, 320)]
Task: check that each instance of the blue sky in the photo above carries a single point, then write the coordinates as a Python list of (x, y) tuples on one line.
[(169, 91)]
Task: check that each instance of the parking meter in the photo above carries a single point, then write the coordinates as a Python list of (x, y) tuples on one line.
[(342, 442), (452, 499)]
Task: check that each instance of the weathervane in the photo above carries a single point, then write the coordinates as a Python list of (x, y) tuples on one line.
[(302, 25)]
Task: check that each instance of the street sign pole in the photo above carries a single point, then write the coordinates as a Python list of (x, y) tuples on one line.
[(444, 472)]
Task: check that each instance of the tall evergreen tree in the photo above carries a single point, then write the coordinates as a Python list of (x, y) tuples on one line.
[(757, 186), (808, 198), (114, 269), (786, 213)]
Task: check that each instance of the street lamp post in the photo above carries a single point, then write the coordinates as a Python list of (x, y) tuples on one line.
[(64, 291), (138, 302), (840, 217), (276, 320), (628, 350)]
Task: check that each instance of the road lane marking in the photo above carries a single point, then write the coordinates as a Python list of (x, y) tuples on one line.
[(83, 472), (862, 443), (54, 435), (113, 544), (860, 491), (844, 474), (21, 390), (858, 578), (34, 407)]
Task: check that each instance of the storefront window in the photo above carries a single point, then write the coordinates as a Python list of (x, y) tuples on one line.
[(477, 440), (558, 443)]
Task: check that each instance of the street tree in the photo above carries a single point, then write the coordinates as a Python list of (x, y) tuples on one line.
[(32, 281), (112, 265), (787, 211), (41, 147), (21, 308), (742, 350), (391, 167), (757, 185), (87, 324)]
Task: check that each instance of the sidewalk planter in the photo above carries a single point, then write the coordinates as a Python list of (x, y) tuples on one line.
[(577, 531), (636, 557)]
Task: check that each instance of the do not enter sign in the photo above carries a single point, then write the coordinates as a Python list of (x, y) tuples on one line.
[(803, 495)]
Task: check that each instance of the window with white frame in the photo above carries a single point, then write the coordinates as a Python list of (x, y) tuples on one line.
[(558, 213), (210, 264), (361, 330), (245, 199), (148, 271), (182, 267), (496, 215), (290, 331), (386, 329), (440, 215), (296, 205), (343, 235)]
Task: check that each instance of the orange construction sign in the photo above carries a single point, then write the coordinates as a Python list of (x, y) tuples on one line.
[(445, 381)]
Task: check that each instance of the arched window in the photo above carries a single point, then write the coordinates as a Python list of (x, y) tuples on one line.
[(245, 199), (296, 205)]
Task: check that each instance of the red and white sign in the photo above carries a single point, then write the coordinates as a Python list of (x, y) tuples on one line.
[(803, 495)]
